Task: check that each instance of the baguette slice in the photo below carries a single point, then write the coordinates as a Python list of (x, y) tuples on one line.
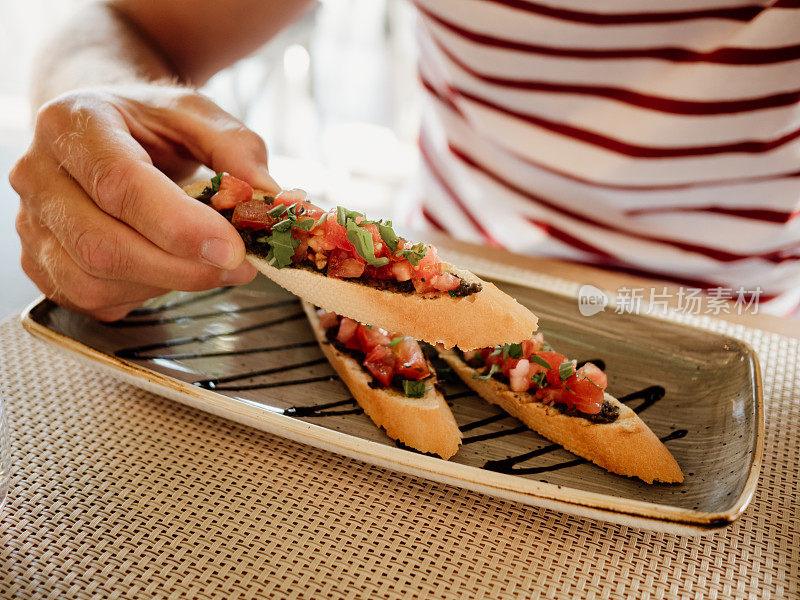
[(434, 317), (425, 424), (626, 447)]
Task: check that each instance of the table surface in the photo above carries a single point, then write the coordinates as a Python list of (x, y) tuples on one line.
[(119, 493)]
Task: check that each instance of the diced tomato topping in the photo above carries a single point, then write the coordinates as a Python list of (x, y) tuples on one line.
[(411, 362), (337, 234), (401, 270), (327, 319), (493, 359), (445, 282), (231, 192), (554, 359), (303, 209), (422, 285), (301, 252), (594, 374), (508, 364), (369, 337), (347, 333), (342, 264), (384, 272), (252, 215), (583, 395), (377, 241), (519, 375), (582, 389), (380, 361), (529, 347)]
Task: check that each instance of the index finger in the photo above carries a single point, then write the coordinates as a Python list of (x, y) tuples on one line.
[(116, 172)]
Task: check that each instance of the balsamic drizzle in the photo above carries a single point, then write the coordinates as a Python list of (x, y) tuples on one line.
[(135, 351), (486, 421), (213, 384), (647, 396), (506, 465), (140, 312), (189, 318), (263, 349), (494, 434), (320, 410)]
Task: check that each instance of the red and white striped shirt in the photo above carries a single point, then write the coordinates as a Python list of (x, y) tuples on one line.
[(653, 137)]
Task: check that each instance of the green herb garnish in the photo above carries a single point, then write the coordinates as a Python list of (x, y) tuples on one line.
[(304, 225), (492, 370), (216, 181), (508, 351), (565, 370), (343, 216), (362, 241), (396, 341), (414, 254), (414, 389), (540, 361), (540, 379), (278, 211), (281, 244), (388, 235)]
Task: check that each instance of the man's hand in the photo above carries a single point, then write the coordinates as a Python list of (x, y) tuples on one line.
[(102, 225)]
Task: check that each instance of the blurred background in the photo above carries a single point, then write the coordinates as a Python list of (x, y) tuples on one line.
[(335, 96)]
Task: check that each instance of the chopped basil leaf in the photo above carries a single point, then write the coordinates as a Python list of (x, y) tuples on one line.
[(304, 225), (282, 226), (396, 341), (343, 215), (282, 246), (414, 389), (277, 211), (216, 181), (540, 361), (362, 241), (388, 235), (546, 347), (492, 370), (540, 379), (565, 370), (414, 254)]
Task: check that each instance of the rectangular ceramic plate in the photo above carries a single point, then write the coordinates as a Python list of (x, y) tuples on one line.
[(248, 354)]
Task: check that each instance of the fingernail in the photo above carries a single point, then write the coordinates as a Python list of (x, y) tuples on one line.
[(242, 274), (218, 252)]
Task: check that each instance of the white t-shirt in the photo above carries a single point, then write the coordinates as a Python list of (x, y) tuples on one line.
[(653, 137)]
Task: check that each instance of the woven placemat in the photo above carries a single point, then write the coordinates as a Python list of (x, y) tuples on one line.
[(117, 493)]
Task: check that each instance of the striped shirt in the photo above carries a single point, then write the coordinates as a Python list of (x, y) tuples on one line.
[(651, 137)]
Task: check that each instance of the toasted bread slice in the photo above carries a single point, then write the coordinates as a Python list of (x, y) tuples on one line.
[(435, 317), (626, 446), (425, 424)]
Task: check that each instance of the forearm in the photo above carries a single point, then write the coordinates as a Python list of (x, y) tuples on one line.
[(98, 46)]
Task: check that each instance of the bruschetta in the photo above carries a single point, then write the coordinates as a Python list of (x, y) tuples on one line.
[(391, 380), (345, 263), (567, 404)]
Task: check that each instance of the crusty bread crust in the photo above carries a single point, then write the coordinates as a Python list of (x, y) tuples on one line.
[(425, 424), (486, 318), (626, 447)]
